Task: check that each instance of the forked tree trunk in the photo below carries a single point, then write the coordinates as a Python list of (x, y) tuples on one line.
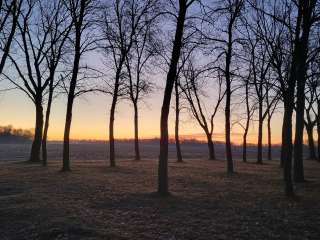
[(136, 133), (176, 129), (36, 144), (163, 157)]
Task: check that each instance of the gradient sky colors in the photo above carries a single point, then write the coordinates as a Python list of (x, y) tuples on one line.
[(90, 118)]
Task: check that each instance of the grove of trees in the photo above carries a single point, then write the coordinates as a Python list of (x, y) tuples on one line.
[(262, 55)]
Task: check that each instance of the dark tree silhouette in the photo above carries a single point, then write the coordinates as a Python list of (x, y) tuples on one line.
[(9, 15), (34, 44), (58, 34), (80, 12), (124, 23), (234, 8), (142, 53), (177, 119), (171, 76), (192, 88), (305, 20)]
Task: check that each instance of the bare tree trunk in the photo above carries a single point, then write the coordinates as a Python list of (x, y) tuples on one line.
[(259, 158), (286, 149), (298, 141), (112, 114), (176, 129), (66, 139), (136, 133), (111, 134), (246, 129), (244, 146), (46, 125), (269, 139), (212, 155), (71, 95), (36, 144), (312, 151), (228, 101), (163, 157)]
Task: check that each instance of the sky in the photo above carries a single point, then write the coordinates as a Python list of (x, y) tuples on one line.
[(91, 115)]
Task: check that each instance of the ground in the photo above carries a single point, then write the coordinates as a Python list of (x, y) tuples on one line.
[(97, 202)]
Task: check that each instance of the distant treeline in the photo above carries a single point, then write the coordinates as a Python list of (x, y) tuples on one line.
[(8, 134)]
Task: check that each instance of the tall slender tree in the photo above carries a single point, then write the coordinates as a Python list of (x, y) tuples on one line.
[(80, 12), (171, 76)]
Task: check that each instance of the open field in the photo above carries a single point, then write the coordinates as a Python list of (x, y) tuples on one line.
[(125, 150), (97, 202)]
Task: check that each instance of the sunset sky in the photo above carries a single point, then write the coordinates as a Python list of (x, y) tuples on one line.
[(90, 118)]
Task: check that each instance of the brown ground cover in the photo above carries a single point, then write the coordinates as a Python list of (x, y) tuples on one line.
[(97, 202)]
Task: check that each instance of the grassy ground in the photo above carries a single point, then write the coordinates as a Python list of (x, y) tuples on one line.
[(97, 202)]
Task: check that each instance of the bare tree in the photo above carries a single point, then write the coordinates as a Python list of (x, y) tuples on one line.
[(143, 51), (58, 34), (250, 110), (32, 48), (171, 76), (233, 12), (271, 108), (192, 89), (80, 12), (124, 22)]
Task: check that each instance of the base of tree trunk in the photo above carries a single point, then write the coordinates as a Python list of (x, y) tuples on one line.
[(65, 169)]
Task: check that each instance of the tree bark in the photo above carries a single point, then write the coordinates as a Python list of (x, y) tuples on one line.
[(36, 144), (136, 133), (163, 157), (176, 129)]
